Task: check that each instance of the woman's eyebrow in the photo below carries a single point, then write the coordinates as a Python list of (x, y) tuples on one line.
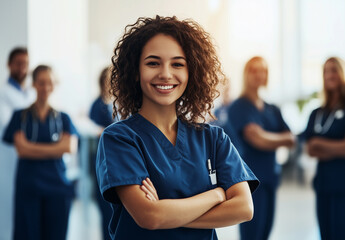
[(157, 57)]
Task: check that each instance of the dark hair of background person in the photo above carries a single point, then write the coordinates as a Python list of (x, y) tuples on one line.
[(104, 82), (16, 51), (204, 68), (38, 69), (340, 64)]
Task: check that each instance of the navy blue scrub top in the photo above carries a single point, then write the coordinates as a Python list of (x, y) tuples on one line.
[(133, 149), (330, 174), (101, 113), (263, 163), (44, 176)]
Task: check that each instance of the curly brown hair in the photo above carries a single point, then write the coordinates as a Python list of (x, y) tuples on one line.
[(204, 68)]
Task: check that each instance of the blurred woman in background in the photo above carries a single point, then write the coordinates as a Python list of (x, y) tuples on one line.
[(257, 130), (325, 136), (41, 136)]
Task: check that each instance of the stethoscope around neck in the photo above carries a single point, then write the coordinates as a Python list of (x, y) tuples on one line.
[(322, 129), (55, 125)]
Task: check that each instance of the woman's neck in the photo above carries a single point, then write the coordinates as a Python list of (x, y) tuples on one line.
[(42, 109), (164, 118), (253, 97), (333, 100)]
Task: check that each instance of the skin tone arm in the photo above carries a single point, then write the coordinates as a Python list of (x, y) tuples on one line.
[(67, 144), (267, 141), (167, 213), (325, 149), (237, 208)]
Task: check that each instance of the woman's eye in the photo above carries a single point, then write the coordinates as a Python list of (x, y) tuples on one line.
[(152, 64), (178, 64)]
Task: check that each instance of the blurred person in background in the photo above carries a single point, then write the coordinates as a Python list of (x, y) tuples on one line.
[(325, 140), (257, 130), (101, 113), (14, 94), (221, 112), (41, 135)]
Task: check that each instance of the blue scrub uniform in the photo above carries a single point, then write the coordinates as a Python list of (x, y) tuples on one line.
[(43, 193), (221, 113), (329, 181), (101, 114), (263, 163), (133, 149)]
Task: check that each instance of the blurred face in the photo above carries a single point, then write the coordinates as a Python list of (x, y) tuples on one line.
[(44, 85), (163, 71), (19, 67), (257, 75), (331, 77)]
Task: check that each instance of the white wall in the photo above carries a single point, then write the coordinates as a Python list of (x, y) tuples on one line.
[(58, 37), (13, 30)]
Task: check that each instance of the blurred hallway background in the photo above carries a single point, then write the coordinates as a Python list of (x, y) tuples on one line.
[(77, 39)]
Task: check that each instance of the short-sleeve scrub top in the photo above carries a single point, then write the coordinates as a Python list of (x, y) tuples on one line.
[(133, 149)]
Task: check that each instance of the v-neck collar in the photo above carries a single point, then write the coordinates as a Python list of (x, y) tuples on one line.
[(150, 128)]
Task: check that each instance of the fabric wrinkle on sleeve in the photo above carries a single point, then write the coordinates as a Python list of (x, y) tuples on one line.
[(119, 162), (230, 167)]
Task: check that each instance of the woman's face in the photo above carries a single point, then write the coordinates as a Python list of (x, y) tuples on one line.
[(163, 71), (331, 77), (257, 75), (44, 85)]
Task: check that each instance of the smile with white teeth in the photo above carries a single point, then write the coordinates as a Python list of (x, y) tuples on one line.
[(164, 87)]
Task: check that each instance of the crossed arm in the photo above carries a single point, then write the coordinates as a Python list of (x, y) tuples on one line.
[(67, 144), (265, 140), (325, 149), (210, 209)]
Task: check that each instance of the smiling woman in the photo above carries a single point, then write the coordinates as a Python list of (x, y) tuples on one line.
[(161, 168), (200, 60)]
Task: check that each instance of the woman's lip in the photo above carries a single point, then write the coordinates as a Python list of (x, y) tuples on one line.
[(164, 88)]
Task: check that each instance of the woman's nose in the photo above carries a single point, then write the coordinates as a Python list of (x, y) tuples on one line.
[(165, 72)]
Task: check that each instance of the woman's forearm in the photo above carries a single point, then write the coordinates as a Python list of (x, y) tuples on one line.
[(185, 210), (233, 211), (326, 148), (270, 141), (167, 213), (67, 144)]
